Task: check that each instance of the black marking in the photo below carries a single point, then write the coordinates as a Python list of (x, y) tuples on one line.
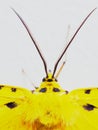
[(43, 90), (56, 89), (66, 92), (49, 80), (88, 91), (11, 105), (1, 86), (89, 107), (13, 89), (44, 79)]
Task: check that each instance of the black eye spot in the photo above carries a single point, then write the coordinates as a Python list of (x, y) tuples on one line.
[(56, 90), (1, 86), (11, 105), (88, 91), (66, 92), (89, 107), (44, 79), (43, 90), (49, 80), (13, 89)]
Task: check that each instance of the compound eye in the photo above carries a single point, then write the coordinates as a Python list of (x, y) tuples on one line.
[(43, 90), (44, 79), (56, 90)]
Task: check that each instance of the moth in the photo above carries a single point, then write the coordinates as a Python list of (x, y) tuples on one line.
[(48, 107)]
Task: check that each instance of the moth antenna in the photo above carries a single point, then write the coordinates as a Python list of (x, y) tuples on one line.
[(36, 46), (57, 74), (57, 62)]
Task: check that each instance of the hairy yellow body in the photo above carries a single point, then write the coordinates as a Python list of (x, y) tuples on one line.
[(48, 108)]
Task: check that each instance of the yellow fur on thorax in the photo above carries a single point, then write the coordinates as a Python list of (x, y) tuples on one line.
[(47, 115)]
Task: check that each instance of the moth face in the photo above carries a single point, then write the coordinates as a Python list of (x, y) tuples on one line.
[(49, 84)]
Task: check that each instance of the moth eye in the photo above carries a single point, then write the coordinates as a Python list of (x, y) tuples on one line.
[(43, 90), (66, 92), (11, 105), (44, 79), (56, 90)]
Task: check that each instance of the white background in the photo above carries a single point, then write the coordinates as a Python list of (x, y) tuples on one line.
[(48, 21)]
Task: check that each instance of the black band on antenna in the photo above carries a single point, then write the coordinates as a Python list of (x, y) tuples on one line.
[(26, 27), (56, 64)]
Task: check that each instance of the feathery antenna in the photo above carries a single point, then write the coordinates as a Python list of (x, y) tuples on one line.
[(56, 64), (26, 27)]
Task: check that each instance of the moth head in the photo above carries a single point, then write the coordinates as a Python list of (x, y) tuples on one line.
[(50, 84), (51, 78)]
